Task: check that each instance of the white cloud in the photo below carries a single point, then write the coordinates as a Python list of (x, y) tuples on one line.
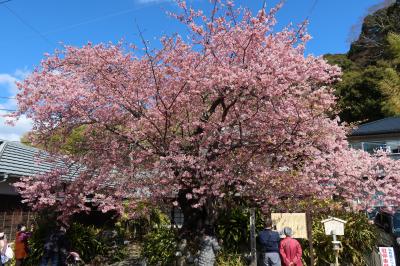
[(14, 133), (9, 89)]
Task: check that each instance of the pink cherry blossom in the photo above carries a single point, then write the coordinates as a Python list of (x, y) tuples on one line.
[(235, 109)]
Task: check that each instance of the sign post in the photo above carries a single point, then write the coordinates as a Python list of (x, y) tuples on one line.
[(309, 235), (387, 256), (334, 227)]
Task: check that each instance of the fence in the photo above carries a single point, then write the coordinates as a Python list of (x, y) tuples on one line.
[(9, 221)]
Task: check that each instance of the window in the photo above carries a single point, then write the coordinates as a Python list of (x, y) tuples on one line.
[(177, 217)]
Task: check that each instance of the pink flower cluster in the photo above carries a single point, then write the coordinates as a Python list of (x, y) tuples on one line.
[(235, 110)]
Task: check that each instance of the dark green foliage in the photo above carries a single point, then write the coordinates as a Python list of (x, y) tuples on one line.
[(370, 86), (160, 244), (342, 61), (358, 241), (87, 240), (372, 44), (360, 96), (233, 227), (37, 240), (230, 259)]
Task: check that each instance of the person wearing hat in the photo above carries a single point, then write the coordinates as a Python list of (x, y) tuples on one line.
[(290, 249)]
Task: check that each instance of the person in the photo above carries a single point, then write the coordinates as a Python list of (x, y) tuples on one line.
[(21, 245), (55, 248), (3, 248), (209, 246), (290, 249), (268, 241)]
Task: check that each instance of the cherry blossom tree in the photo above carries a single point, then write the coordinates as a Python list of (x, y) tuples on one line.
[(234, 110)]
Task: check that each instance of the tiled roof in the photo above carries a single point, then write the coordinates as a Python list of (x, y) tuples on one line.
[(382, 126), (19, 159)]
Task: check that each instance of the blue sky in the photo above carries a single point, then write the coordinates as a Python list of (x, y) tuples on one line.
[(30, 28)]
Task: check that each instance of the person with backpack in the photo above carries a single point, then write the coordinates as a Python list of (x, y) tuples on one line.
[(268, 241), (290, 249)]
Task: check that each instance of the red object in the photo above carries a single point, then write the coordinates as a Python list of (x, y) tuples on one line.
[(21, 245), (291, 252)]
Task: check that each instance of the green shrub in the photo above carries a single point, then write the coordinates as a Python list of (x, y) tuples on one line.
[(160, 244), (233, 227), (88, 241), (359, 240), (38, 238), (230, 259)]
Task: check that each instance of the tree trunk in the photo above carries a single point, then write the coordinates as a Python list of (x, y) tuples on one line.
[(196, 219)]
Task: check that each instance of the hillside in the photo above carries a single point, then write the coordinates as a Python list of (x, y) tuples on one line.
[(370, 86)]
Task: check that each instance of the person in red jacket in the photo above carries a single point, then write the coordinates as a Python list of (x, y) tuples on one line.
[(290, 249), (21, 245)]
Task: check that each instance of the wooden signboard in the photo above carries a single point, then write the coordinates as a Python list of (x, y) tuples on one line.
[(296, 221)]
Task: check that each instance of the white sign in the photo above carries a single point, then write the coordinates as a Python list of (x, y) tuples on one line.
[(387, 256), (334, 226)]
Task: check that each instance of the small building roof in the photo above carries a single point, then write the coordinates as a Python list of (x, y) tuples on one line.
[(330, 219), (382, 126), (22, 160)]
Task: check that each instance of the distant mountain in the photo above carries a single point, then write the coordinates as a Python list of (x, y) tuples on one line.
[(371, 44), (370, 86)]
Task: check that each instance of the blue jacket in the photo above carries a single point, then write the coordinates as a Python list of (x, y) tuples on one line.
[(268, 241)]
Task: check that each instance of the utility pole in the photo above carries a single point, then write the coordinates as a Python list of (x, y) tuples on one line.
[(309, 236)]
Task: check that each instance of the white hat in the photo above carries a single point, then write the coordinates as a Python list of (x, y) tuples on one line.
[(1, 234)]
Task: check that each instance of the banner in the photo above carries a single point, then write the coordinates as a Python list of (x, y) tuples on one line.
[(387, 256)]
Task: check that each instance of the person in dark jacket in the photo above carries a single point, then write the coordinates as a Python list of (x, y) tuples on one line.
[(268, 241), (55, 248)]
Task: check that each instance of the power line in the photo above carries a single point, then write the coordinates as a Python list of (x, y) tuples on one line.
[(27, 24), (3, 2), (10, 98), (312, 9), (7, 110), (89, 21), (96, 19)]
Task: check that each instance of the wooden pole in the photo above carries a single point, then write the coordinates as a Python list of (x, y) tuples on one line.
[(12, 225), (4, 219), (253, 249), (309, 236)]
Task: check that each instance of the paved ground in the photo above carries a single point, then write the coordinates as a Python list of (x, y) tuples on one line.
[(134, 258)]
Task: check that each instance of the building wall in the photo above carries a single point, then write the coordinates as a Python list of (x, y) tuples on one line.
[(370, 143), (12, 213)]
